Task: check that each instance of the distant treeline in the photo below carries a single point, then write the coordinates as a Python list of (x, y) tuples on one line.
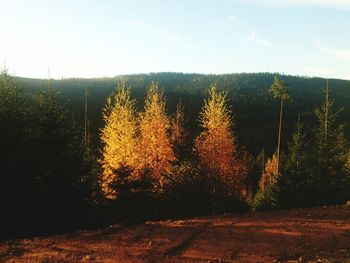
[(248, 98)]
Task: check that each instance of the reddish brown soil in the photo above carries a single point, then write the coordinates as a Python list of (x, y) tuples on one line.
[(300, 235)]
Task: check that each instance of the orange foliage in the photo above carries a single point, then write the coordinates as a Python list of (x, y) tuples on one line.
[(216, 146), (270, 173), (155, 148)]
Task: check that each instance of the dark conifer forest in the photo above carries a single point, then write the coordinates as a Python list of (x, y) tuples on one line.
[(216, 149)]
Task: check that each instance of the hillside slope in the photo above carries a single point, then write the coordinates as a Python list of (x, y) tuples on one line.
[(252, 105)]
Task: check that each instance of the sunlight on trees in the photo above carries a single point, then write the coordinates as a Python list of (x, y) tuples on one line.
[(215, 145), (270, 173), (265, 198), (155, 148), (118, 137)]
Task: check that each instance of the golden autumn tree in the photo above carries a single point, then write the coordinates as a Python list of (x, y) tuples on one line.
[(215, 145), (268, 192), (118, 137), (270, 173), (155, 148)]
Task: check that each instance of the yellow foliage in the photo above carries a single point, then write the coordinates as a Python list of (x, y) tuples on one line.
[(118, 137), (155, 149), (215, 146), (270, 173)]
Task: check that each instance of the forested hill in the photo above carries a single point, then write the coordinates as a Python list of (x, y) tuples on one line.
[(254, 109)]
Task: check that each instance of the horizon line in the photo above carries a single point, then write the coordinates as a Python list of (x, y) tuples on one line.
[(185, 73)]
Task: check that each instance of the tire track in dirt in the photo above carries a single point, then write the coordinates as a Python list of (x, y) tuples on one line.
[(185, 244), (145, 232)]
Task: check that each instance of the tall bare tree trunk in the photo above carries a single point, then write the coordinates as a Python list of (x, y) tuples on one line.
[(279, 137), (86, 118)]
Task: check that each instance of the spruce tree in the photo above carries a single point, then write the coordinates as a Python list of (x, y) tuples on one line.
[(330, 172), (15, 156), (64, 180), (43, 167), (295, 177)]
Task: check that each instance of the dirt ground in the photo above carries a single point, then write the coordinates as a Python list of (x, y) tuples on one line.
[(299, 235)]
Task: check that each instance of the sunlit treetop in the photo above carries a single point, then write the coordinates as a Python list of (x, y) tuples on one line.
[(279, 89), (215, 112), (155, 148)]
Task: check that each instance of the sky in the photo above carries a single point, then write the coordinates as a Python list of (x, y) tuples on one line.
[(85, 38)]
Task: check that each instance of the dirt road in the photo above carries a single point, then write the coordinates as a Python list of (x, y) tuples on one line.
[(300, 235)]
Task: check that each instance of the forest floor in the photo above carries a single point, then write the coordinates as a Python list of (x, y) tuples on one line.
[(297, 235)]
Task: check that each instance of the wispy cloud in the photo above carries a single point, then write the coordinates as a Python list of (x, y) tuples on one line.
[(342, 54), (335, 4), (259, 40)]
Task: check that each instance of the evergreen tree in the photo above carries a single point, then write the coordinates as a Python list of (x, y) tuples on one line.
[(119, 139), (295, 178), (14, 109), (64, 171), (330, 172), (43, 165), (15, 154)]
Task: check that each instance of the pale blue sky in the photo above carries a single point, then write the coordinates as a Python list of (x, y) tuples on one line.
[(107, 38)]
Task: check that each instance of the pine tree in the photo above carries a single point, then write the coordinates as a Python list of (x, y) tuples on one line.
[(155, 149), (295, 178), (42, 162), (279, 89), (119, 138), (14, 147), (296, 147), (64, 174), (14, 106), (330, 171)]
